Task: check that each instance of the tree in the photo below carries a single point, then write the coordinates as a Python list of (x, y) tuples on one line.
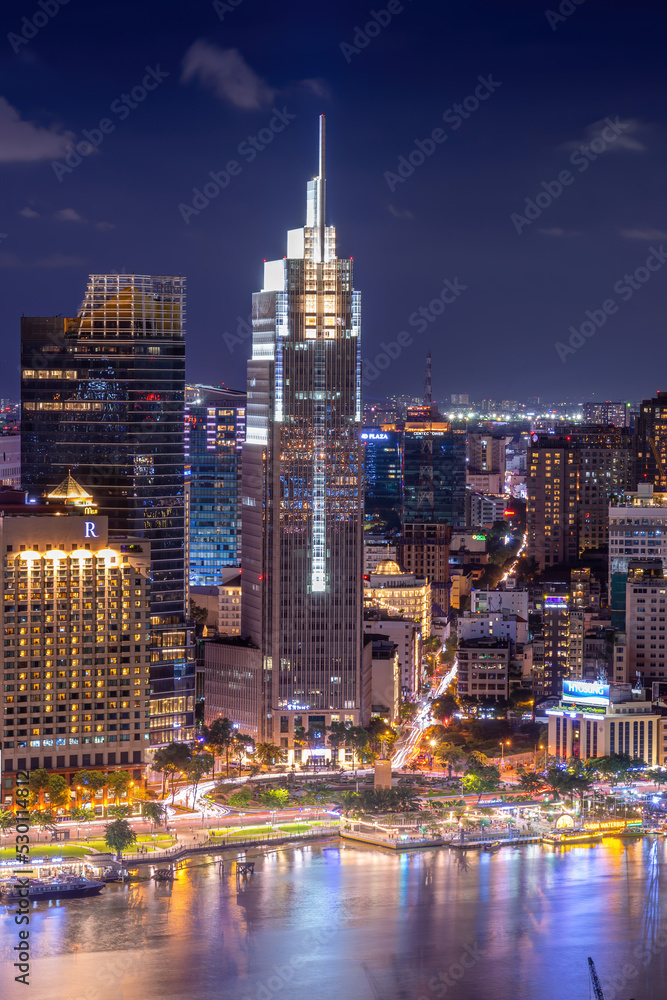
[(444, 706), (118, 783), (44, 819), (119, 812), (449, 755), (240, 746), (87, 783), (275, 798), (219, 737), (83, 814), (7, 820), (118, 835), (530, 781), (38, 783), (356, 739), (481, 778), (348, 801), (270, 754), (171, 760), (59, 791), (154, 811), (198, 765)]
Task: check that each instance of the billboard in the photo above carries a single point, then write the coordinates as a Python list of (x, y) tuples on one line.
[(586, 692)]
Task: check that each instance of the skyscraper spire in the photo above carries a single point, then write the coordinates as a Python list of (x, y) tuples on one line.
[(428, 395), (321, 202)]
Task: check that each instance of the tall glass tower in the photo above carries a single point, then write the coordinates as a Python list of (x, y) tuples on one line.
[(214, 433), (302, 482), (103, 397)]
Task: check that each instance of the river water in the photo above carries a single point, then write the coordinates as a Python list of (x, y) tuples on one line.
[(357, 923)]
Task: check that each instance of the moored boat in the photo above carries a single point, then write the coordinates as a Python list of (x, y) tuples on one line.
[(73, 887)]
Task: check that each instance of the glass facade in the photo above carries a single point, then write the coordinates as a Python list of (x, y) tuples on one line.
[(102, 396), (214, 434), (434, 469), (382, 476), (302, 478)]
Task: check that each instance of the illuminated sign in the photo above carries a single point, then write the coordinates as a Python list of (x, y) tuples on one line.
[(555, 602), (89, 528), (479, 538), (612, 824), (589, 692), (374, 436)]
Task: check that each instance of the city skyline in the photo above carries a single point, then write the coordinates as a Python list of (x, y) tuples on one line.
[(515, 287)]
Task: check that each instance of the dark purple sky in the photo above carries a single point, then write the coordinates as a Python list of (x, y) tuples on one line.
[(229, 64)]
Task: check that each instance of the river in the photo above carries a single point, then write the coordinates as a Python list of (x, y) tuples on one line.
[(355, 923)]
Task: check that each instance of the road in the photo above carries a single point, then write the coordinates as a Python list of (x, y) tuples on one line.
[(408, 745)]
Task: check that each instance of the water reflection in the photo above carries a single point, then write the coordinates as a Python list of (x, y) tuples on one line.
[(358, 923)]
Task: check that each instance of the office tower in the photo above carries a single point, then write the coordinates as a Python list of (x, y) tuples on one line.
[(76, 656), (651, 432), (103, 396), (382, 476), (434, 494), (434, 468), (607, 413), (214, 434), (302, 489), (484, 668), (486, 462), (571, 477), (637, 530)]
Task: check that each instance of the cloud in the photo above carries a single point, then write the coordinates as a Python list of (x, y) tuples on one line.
[(623, 130), (557, 231), (228, 75), (25, 142), (68, 215), (103, 226), (400, 213), (317, 87), (644, 234), (29, 213), (9, 260)]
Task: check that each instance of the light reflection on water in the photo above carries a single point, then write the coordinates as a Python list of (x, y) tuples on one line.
[(362, 924)]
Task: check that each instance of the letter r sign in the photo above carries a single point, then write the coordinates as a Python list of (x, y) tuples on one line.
[(89, 527)]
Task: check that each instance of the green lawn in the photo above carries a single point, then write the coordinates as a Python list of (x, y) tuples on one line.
[(46, 851), (143, 840)]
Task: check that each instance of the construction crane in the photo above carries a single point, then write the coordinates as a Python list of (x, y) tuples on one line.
[(595, 982)]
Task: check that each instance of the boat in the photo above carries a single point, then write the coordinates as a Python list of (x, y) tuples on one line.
[(572, 837), (70, 887), (492, 848)]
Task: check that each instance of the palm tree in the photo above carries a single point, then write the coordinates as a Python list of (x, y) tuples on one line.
[(530, 781), (269, 754), (348, 801)]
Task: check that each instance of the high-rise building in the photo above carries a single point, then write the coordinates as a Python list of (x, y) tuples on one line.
[(76, 657), (301, 632), (651, 431), (214, 435), (486, 462), (103, 396), (571, 477), (382, 476), (637, 530), (10, 460), (607, 413), (434, 468)]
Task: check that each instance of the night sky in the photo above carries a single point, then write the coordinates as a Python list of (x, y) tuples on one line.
[(218, 71)]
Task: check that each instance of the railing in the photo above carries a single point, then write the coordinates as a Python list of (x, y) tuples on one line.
[(219, 843)]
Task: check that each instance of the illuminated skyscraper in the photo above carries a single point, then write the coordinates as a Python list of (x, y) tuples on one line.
[(302, 483), (103, 396), (214, 432)]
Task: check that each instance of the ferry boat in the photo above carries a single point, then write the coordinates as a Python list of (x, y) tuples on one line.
[(71, 887), (566, 837)]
